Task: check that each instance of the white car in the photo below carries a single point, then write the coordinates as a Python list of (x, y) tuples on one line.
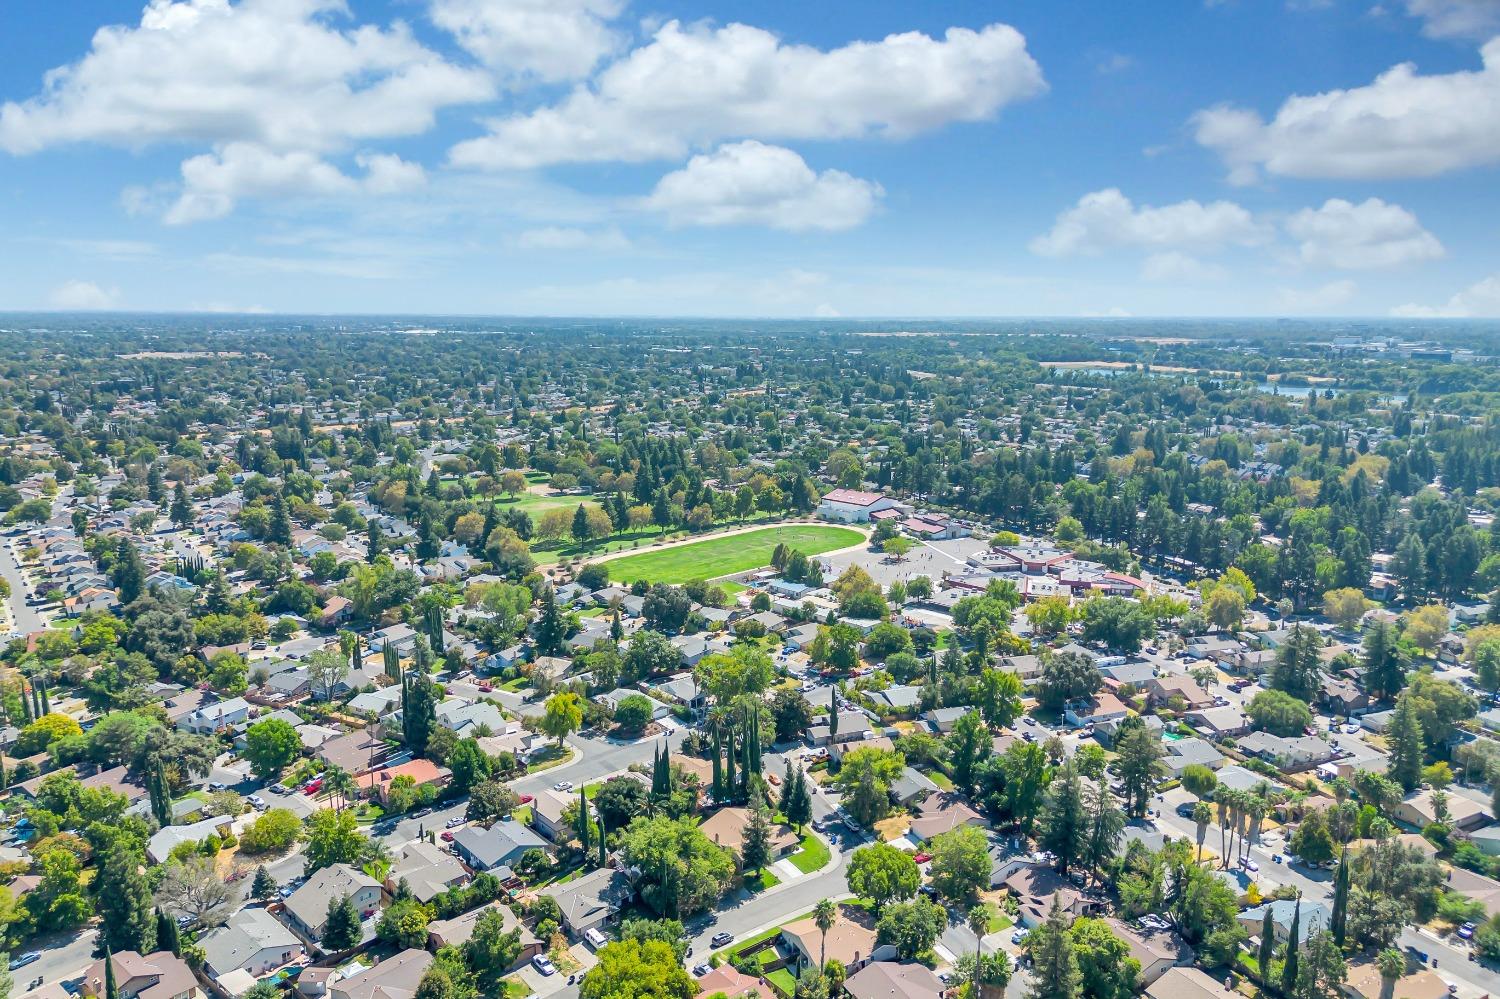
[(543, 964), (1020, 935), (1351, 728), (563, 785)]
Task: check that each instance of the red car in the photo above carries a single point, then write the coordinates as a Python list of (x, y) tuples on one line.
[(485, 686), (313, 786), (447, 837), (922, 858), (526, 799)]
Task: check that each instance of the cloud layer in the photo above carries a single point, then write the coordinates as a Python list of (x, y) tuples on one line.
[(1403, 124), (695, 85), (750, 183)]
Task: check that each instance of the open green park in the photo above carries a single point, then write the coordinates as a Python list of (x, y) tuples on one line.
[(728, 554)]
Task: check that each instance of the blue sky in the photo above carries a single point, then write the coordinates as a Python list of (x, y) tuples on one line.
[(571, 157)]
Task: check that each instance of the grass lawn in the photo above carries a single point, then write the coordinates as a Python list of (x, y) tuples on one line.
[(715, 557), (513, 988), (534, 503), (1000, 921), (812, 855), (783, 980), (546, 759), (940, 779), (760, 884)]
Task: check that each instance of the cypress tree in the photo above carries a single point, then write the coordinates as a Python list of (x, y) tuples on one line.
[(666, 768), (392, 662), (585, 824), (46, 704), (718, 788), (729, 782), (111, 990), (1289, 966), (161, 802), (1338, 919), (1267, 948), (833, 715), (603, 843), (167, 937)]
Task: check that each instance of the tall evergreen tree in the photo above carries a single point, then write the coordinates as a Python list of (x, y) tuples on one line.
[(585, 824), (1065, 819), (730, 790), (1293, 945), (123, 901), (156, 788), (1267, 947), (549, 628), (1408, 748), (800, 812), (755, 848), (1338, 919), (111, 988), (46, 703), (1054, 965), (167, 936), (263, 887), (718, 785), (392, 661), (341, 929)]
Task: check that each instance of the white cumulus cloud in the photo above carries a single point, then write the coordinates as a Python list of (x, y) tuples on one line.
[(1403, 124), (211, 183), (288, 79), (1355, 237), (1478, 19), (692, 86), (1481, 299), (550, 40), (78, 295), (751, 183), (1108, 219)]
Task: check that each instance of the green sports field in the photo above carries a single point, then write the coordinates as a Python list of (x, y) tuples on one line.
[(715, 557)]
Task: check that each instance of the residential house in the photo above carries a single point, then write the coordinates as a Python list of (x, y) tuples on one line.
[(377, 783), (1485, 891), (1363, 981), (162, 975), (1189, 983), (943, 812), (1341, 696), (358, 752), (729, 981), (1417, 809), (253, 942), (892, 980), (941, 720), (501, 845), (547, 810), (726, 827), (1034, 888), (168, 838), (851, 941), (394, 978), (853, 726), (1102, 707), (911, 787), (1219, 723), (1184, 753), (1314, 916), (1290, 754), (306, 909), (427, 869), (592, 900), (1161, 690), (1158, 950), (231, 713), (456, 932)]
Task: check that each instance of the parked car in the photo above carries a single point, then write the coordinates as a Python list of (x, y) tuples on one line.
[(1249, 864), (456, 821), (1185, 810), (25, 959), (216, 785), (447, 836), (543, 964), (700, 970), (313, 786), (922, 858), (1466, 931), (722, 939), (526, 799), (1020, 935), (256, 801), (563, 785)]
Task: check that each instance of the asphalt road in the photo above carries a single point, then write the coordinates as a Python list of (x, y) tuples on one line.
[(63, 955), (24, 619)]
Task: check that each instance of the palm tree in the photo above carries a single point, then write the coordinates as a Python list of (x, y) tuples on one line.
[(1392, 965), (1258, 809), (824, 913), (1222, 798), (979, 924), (1202, 816), (337, 780)]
